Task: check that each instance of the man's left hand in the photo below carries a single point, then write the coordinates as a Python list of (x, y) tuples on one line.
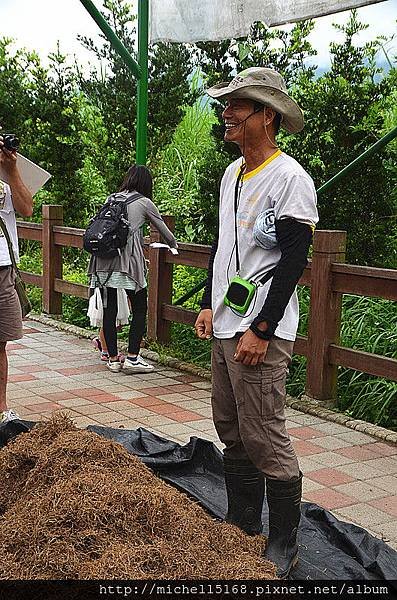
[(251, 350)]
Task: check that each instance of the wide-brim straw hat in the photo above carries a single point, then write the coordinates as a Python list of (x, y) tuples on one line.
[(267, 87)]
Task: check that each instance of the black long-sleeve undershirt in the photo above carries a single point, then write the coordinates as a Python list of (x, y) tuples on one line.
[(294, 239)]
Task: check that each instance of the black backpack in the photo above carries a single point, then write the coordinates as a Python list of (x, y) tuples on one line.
[(107, 232)]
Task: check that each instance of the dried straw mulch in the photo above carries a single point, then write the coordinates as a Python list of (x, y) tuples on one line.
[(74, 505)]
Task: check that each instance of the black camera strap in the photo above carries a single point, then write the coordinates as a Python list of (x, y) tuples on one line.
[(237, 194)]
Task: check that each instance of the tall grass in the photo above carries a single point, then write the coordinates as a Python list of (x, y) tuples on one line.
[(179, 166)]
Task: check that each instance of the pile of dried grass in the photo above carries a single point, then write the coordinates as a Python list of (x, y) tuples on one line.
[(74, 505)]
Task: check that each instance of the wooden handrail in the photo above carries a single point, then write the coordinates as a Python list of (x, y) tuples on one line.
[(364, 281), (373, 364), (68, 236), (30, 231)]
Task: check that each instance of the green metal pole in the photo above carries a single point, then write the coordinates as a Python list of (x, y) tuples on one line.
[(369, 152), (142, 108), (112, 37)]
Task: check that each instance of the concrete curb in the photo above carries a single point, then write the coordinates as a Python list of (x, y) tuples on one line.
[(303, 404)]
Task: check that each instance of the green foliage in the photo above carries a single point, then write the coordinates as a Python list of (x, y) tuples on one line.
[(177, 189), (58, 128), (74, 310), (81, 127), (369, 324), (344, 109), (31, 262), (285, 51), (113, 90)]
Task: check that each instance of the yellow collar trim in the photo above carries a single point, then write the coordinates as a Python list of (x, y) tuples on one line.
[(247, 176)]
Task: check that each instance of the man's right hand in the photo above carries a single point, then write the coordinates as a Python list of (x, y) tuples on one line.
[(203, 324), (8, 158)]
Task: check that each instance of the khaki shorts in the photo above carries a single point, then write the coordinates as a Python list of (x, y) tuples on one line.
[(10, 308)]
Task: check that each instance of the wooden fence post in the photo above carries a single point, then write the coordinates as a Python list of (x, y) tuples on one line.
[(324, 316), (52, 259), (160, 287)]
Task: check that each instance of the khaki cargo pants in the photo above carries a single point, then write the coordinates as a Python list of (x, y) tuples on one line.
[(248, 407)]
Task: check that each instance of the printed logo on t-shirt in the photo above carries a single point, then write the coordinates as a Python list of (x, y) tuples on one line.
[(247, 215), (2, 195)]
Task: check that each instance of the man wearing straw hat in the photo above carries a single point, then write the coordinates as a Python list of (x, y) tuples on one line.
[(267, 214)]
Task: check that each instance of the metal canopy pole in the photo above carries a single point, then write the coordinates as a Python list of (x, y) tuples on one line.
[(112, 37), (142, 106), (138, 69), (357, 161)]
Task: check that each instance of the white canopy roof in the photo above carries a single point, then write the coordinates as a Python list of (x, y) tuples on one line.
[(200, 20)]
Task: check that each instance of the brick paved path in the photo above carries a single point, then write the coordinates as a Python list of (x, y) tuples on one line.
[(347, 472)]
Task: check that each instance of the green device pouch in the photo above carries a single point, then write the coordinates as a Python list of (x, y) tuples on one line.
[(239, 294)]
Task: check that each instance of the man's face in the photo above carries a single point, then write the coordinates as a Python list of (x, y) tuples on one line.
[(239, 130)]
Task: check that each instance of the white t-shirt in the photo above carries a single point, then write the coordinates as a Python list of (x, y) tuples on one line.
[(7, 214), (281, 184)]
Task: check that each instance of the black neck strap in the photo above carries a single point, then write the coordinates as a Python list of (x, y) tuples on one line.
[(237, 194)]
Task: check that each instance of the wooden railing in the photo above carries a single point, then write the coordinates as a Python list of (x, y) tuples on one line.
[(326, 275)]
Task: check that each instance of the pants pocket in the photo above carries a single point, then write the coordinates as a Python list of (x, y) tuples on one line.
[(264, 394)]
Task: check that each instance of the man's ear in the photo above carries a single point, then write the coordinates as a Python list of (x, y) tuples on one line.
[(268, 116)]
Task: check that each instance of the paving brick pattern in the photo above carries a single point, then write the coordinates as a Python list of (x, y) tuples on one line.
[(348, 472)]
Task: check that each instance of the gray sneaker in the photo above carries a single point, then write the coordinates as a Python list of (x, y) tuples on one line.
[(136, 366), (8, 415), (114, 366)]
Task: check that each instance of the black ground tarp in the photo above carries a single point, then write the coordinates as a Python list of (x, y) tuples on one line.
[(329, 549)]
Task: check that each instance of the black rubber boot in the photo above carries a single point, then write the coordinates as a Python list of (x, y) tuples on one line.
[(283, 498), (245, 486)]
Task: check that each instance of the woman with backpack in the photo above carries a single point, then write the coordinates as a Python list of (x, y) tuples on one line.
[(127, 269)]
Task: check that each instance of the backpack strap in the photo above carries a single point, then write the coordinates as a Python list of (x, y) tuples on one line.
[(126, 197), (133, 196)]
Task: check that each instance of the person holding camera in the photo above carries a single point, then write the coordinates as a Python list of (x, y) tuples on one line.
[(267, 214), (14, 198)]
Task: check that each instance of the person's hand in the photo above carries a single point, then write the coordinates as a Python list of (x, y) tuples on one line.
[(8, 158), (251, 350), (203, 324)]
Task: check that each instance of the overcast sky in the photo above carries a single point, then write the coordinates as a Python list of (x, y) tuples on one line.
[(39, 24)]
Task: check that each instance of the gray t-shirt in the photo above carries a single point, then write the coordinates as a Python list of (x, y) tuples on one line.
[(279, 184)]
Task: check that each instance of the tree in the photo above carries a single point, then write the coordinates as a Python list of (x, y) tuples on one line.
[(113, 89), (344, 116)]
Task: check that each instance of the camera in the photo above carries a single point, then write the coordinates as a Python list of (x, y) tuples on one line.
[(10, 140)]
